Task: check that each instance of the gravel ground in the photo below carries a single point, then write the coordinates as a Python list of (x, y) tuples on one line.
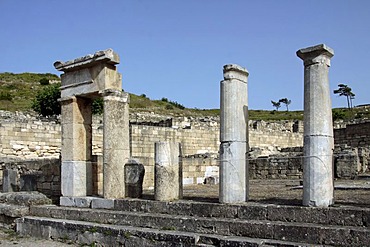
[(9, 238), (286, 192)]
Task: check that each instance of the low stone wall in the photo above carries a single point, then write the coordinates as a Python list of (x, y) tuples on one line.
[(354, 135), (43, 174)]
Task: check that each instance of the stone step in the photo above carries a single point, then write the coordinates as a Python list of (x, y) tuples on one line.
[(285, 231), (88, 233), (341, 215)]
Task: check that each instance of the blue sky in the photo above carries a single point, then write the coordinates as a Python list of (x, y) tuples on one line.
[(176, 49)]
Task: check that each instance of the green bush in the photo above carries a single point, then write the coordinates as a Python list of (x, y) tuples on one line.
[(44, 82), (6, 96), (98, 106), (46, 101)]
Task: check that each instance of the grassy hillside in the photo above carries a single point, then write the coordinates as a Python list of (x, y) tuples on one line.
[(17, 92)]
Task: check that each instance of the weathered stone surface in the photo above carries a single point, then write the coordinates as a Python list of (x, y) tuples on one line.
[(74, 181), (318, 127), (24, 198), (347, 163), (234, 135), (102, 203), (116, 142), (167, 171), (10, 181), (76, 129), (28, 182), (90, 74), (134, 177), (80, 202)]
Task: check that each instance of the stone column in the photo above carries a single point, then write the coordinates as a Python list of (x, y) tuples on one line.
[(76, 146), (167, 171), (234, 185), (318, 188), (116, 150)]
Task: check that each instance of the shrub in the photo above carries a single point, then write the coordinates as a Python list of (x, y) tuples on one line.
[(46, 101), (98, 106), (44, 82)]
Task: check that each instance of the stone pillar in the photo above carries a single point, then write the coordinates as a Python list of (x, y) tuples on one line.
[(167, 171), (116, 145), (234, 184), (76, 146), (318, 187)]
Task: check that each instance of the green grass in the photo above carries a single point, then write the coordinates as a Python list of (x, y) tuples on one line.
[(22, 89)]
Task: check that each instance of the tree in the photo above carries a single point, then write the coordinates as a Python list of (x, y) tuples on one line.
[(345, 90), (275, 104), (46, 101), (286, 102)]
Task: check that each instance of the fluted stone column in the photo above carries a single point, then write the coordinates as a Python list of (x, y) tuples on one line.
[(234, 184), (167, 171), (116, 145), (76, 146), (318, 188)]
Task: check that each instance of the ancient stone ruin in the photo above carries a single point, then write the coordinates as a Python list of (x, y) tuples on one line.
[(91, 184), (85, 79)]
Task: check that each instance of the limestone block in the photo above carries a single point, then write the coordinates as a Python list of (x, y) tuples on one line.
[(74, 178), (102, 203), (167, 172), (76, 142), (76, 110)]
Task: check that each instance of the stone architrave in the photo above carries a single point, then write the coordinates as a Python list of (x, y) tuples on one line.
[(167, 171), (318, 187), (234, 184), (116, 143), (83, 80)]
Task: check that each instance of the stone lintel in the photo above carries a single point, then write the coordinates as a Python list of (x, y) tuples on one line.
[(316, 54), (234, 71), (67, 99), (107, 56)]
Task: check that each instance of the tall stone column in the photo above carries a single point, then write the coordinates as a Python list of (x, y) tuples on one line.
[(167, 171), (76, 146), (234, 184), (318, 187), (116, 145)]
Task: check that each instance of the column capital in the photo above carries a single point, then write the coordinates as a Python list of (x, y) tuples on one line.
[(234, 71), (117, 95), (316, 54)]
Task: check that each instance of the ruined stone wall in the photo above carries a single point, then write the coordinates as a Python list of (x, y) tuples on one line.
[(354, 135), (30, 137)]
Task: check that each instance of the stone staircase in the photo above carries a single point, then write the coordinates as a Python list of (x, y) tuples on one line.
[(138, 222)]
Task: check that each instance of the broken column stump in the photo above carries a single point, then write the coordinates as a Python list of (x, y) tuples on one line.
[(167, 172), (134, 177)]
